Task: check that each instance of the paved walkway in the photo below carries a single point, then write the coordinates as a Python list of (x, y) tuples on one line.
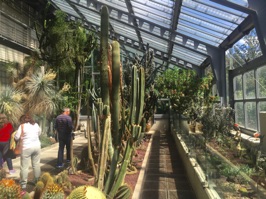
[(162, 177), (164, 174), (48, 160)]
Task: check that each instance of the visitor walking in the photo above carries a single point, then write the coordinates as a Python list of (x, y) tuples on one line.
[(29, 132), (6, 130), (64, 128)]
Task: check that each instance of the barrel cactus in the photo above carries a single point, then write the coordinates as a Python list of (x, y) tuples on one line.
[(9, 189), (124, 192), (53, 191), (86, 192), (47, 179)]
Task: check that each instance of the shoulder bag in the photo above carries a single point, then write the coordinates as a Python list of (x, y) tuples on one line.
[(18, 148)]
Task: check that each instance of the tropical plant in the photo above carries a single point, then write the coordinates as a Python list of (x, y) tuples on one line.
[(188, 93), (65, 46)]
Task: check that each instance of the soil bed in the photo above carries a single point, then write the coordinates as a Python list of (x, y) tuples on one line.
[(240, 161), (85, 178)]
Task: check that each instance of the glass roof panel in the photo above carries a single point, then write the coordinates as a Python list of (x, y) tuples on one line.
[(204, 24), (240, 2), (231, 11), (154, 42), (209, 9), (208, 21), (117, 4), (203, 30), (201, 23), (188, 52), (199, 36), (65, 7), (123, 29), (211, 19), (157, 13), (92, 17)]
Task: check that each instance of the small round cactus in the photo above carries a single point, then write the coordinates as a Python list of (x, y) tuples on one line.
[(53, 191), (9, 189), (86, 192)]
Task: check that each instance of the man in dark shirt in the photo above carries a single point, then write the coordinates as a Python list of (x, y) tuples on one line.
[(64, 128)]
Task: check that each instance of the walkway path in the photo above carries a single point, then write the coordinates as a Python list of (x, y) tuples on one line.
[(48, 160), (165, 177)]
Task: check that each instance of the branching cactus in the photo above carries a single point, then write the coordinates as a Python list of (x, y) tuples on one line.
[(116, 143)]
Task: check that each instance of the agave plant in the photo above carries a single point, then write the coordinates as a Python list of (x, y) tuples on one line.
[(41, 93), (10, 104)]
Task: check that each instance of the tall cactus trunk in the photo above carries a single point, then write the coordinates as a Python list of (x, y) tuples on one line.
[(104, 148), (105, 96), (91, 160), (104, 55), (115, 113), (137, 90)]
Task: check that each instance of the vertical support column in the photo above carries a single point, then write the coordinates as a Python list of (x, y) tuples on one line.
[(263, 131), (218, 66), (230, 89)]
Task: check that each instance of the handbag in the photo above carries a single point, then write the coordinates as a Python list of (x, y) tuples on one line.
[(18, 148)]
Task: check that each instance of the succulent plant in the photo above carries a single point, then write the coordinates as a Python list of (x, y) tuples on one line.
[(9, 189), (2, 173), (53, 191), (47, 179), (123, 192), (85, 192), (63, 180), (38, 189)]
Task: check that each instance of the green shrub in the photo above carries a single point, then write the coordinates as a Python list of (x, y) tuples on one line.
[(46, 141)]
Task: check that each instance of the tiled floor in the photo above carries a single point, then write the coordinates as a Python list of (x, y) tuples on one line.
[(165, 176)]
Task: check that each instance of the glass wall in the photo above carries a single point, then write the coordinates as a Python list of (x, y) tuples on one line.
[(250, 97)]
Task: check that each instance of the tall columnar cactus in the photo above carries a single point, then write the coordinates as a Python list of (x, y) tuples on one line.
[(115, 112), (111, 113), (105, 70), (137, 102), (104, 55)]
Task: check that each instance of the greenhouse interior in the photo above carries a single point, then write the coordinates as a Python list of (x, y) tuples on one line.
[(183, 78)]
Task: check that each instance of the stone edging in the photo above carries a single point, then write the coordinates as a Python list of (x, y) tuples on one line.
[(141, 177)]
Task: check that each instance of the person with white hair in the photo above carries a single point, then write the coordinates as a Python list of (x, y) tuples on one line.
[(64, 128)]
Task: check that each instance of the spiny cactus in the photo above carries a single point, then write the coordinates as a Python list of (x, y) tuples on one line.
[(124, 192), (63, 180), (38, 189), (2, 173), (53, 191), (47, 179), (85, 192), (9, 189)]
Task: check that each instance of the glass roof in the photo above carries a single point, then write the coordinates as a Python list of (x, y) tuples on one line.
[(179, 33)]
